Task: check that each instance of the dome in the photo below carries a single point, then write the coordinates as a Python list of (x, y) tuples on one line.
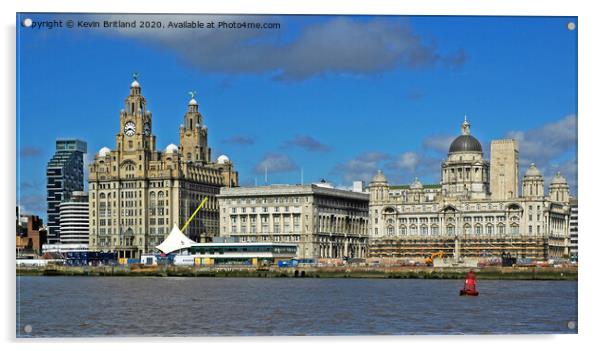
[(193, 102), (135, 84), (379, 177), (558, 179), (465, 143), (171, 148), (223, 159), (416, 184), (532, 171), (104, 151)]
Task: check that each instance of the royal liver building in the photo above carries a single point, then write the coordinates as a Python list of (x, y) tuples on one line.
[(476, 205), (137, 193)]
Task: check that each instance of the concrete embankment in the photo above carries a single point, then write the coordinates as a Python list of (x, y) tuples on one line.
[(494, 273)]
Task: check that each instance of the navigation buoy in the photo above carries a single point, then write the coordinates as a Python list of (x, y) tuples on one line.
[(470, 285)]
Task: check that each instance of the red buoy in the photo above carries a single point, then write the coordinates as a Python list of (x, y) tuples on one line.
[(470, 285)]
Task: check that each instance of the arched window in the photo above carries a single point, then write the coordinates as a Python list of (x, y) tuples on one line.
[(403, 230), (451, 230), (413, 230), (466, 229), (501, 229), (434, 230), (478, 229), (390, 231)]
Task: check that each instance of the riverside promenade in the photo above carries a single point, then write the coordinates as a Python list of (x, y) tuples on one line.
[(490, 273)]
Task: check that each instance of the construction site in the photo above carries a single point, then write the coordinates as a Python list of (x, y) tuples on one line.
[(468, 246)]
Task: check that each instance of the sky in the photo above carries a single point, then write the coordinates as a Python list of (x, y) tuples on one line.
[(326, 97)]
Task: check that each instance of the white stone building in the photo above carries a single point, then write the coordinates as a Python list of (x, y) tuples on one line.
[(324, 222), (138, 192), (573, 229), (416, 219), (73, 219)]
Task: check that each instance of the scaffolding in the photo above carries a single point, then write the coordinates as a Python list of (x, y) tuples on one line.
[(412, 247)]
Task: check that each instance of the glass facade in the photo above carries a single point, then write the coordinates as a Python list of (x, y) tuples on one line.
[(64, 175)]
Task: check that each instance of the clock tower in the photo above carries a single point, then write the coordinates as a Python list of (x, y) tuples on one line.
[(193, 135), (137, 193), (135, 141)]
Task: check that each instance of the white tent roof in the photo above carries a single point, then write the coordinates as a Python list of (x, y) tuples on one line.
[(176, 240)]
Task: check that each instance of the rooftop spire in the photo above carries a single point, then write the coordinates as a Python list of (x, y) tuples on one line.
[(465, 126), (135, 83), (192, 94)]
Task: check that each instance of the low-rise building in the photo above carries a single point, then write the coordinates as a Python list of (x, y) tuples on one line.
[(322, 221), (31, 235)]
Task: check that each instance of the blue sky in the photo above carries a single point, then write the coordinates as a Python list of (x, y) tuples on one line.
[(336, 96)]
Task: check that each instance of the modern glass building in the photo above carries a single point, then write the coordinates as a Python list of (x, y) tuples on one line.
[(64, 175)]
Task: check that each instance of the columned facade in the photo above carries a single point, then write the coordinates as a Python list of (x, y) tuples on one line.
[(461, 207), (137, 193), (323, 222)]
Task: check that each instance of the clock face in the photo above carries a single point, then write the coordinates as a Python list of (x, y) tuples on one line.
[(147, 130), (129, 129)]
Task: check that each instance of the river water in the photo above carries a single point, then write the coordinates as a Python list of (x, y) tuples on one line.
[(149, 306)]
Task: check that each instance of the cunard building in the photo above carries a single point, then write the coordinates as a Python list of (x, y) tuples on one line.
[(137, 193), (476, 208)]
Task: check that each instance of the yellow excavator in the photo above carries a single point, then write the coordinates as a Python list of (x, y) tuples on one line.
[(429, 260)]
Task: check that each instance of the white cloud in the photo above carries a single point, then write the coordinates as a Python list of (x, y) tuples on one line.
[(547, 143), (407, 161), (363, 167), (552, 147), (275, 163), (439, 142), (33, 204), (335, 45)]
